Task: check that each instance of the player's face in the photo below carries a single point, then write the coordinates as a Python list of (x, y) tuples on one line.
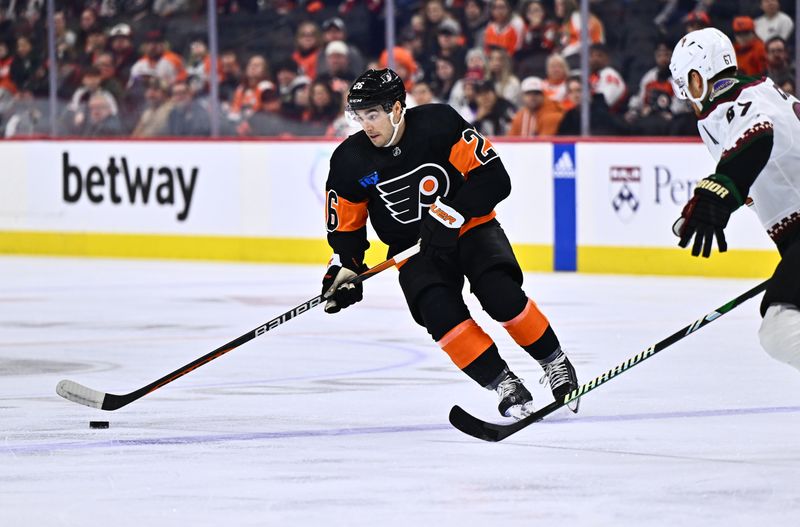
[(375, 123)]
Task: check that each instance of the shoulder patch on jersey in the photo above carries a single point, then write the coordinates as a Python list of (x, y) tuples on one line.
[(720, 87), (729, 94), (370, 179)]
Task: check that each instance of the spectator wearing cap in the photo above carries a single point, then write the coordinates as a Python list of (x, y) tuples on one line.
[(774, 22), (751, 55), (779, 68), (451, 45), (506, 29), (570, 16), (308, 42), (339, 74), (153, 122), (247, 98), (297, 107), (157, 61), (499, 70), (538, 115), (555, 83), (188, 118), (494, 114), (119, 40), (333, 30), (604, 79), (474, 20), (538, 41)]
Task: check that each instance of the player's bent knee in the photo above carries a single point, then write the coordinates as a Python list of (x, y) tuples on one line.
[(780, 333)]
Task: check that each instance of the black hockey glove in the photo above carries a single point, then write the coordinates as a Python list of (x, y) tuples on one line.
[(707, 214), (440, 228), (337, 289)]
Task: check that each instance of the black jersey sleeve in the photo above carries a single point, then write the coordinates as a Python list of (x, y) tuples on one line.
[(346, 210), (486, 180)]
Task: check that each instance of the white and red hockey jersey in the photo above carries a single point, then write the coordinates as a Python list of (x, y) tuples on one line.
[(739, 110)]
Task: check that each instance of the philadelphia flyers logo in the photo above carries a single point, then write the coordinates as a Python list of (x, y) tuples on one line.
[(408, 195)]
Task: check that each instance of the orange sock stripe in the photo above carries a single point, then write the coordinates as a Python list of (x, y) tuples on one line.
[(465, 343), (527, 327)]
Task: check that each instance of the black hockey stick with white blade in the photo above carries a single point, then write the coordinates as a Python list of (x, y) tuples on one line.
[(77, 393), (494, 432)]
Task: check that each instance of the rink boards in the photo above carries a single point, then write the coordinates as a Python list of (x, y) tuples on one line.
[(599, 206)]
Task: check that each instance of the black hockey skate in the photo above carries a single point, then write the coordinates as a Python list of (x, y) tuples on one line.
[(563, 379), (515, 400)]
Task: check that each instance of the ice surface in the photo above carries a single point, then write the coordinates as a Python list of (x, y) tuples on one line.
[(342, 420)]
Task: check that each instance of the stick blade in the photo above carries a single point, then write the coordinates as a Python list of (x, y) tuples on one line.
[(78, 393), (472, 426)]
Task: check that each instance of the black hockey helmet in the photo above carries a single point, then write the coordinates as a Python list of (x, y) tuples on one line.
[(376, 87)]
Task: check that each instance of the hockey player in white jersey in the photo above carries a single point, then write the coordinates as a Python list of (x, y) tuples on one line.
[(752, 130)]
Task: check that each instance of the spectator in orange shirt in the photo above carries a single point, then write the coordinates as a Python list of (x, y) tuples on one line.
[(506, 29), (555, 85), (308, 41), (247, 98), (157, 61), (539, 115), (751, 55), (567, 11)]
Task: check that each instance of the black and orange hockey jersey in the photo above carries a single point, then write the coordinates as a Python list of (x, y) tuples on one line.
[(439, 154)]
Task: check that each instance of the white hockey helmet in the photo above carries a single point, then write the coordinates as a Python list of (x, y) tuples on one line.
[(707, 51)]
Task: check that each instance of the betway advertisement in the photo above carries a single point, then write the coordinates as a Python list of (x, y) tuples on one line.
[(236, 189), (629, 195)]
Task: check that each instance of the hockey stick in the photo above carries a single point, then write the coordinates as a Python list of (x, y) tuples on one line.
[(493, 432), (77, 393)]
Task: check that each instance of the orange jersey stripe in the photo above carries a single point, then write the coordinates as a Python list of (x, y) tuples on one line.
[(350, 216), (465, 343), (464, 154), (474, 222), (527, 327)]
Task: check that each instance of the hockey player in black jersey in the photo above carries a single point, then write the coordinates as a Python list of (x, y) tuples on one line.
[(426, 174)]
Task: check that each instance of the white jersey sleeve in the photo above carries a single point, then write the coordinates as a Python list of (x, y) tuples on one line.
[(729, 127)]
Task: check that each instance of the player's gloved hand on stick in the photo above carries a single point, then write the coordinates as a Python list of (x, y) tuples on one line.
[(338, 290), (440, 228), (707, 214)]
